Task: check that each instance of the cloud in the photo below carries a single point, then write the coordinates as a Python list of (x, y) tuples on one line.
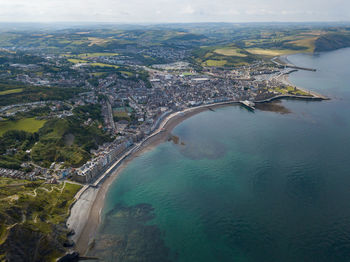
[(154, 11), (188, 10), (261, 11)]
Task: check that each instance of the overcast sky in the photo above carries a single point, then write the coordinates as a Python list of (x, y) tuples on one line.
[(155, 11)]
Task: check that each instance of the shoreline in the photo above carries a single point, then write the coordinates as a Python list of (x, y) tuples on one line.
[(86, 212), (285, 79), (85, 216)]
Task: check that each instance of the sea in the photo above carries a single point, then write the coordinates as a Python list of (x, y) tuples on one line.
[(234, 185)]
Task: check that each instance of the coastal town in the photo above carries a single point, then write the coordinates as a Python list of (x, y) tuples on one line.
[(78, 104), (134, 109), (82, 104)]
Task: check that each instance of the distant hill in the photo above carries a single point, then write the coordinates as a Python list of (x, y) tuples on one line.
[(332, 41)]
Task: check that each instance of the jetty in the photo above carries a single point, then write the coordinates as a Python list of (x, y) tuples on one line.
[(248, 104), (301, 68), (277, 60)]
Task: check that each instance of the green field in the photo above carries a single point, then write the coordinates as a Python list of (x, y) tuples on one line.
[(222, 56), (11, 91), (307, 42), (272, 52), (230, 52), (103, 65), (26, 124), (289, 90), (214, 63), (127, 73), (122, 113), (77, 61), (283, 43), (88, 55)]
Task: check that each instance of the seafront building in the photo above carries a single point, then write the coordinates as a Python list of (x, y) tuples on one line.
[(93, 168)]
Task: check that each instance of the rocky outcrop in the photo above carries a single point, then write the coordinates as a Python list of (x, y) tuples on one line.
[(24, 244)]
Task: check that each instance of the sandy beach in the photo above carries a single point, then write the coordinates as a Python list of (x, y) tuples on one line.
[(85, 214)]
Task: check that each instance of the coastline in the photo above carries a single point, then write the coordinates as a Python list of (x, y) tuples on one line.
[(284, 78), (85, 214)]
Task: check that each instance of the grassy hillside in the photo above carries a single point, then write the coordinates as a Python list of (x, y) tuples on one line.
[(69, 140), (332, 41), (13, 146), (271, 52), (32, 219), (30, 125), (11, 91), (222, 56), (56, 140), (144, 44), (270, 44), (14, 93), (259, 45)]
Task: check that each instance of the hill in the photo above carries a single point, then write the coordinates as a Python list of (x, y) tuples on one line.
[(332, 41), (32, 215)]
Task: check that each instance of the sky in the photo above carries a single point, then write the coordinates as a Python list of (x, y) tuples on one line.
[(171, 11)]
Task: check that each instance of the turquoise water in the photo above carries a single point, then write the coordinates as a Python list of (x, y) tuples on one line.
[(243, 186)]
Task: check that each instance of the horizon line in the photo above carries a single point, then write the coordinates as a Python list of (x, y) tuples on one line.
[(158, 23)]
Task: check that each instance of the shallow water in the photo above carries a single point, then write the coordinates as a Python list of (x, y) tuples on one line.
[(243, 186)]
